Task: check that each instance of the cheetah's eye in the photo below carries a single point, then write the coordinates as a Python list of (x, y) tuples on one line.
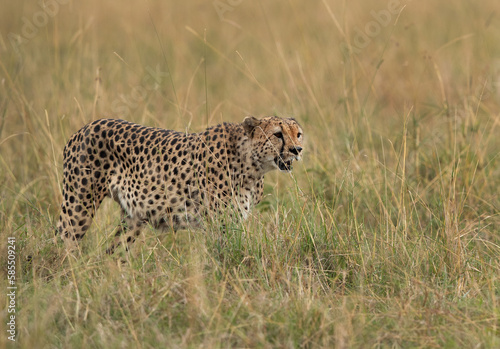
[(278, 135), (299, 135)]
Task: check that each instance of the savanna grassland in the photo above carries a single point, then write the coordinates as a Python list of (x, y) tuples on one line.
[(387, 235)]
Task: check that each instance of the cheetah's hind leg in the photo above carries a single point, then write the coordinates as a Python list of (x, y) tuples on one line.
[(127, 233), (74, 221)]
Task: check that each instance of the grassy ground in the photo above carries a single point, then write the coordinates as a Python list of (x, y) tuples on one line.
[(386, 235)]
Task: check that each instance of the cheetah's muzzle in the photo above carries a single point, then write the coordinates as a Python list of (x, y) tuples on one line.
[(284, 166)]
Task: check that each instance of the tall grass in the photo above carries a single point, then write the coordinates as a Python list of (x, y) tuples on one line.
[(386, 235)]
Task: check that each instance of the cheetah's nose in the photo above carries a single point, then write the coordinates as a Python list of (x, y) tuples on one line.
[(295, 150)]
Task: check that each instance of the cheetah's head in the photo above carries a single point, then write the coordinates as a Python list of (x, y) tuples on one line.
[(276, 142)]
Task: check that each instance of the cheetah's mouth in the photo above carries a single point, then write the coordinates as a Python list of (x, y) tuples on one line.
[(285, 166)]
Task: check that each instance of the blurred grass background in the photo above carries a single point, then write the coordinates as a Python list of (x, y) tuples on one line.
[(386, 235)]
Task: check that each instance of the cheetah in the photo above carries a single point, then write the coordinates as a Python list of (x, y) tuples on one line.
[(169, 179)]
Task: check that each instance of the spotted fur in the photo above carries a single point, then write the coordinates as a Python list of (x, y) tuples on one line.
[(170, 179)]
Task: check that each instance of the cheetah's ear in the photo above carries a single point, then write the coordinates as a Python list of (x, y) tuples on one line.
[(249, 123)]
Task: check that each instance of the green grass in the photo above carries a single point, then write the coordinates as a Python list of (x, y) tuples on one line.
[(386, 235)]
